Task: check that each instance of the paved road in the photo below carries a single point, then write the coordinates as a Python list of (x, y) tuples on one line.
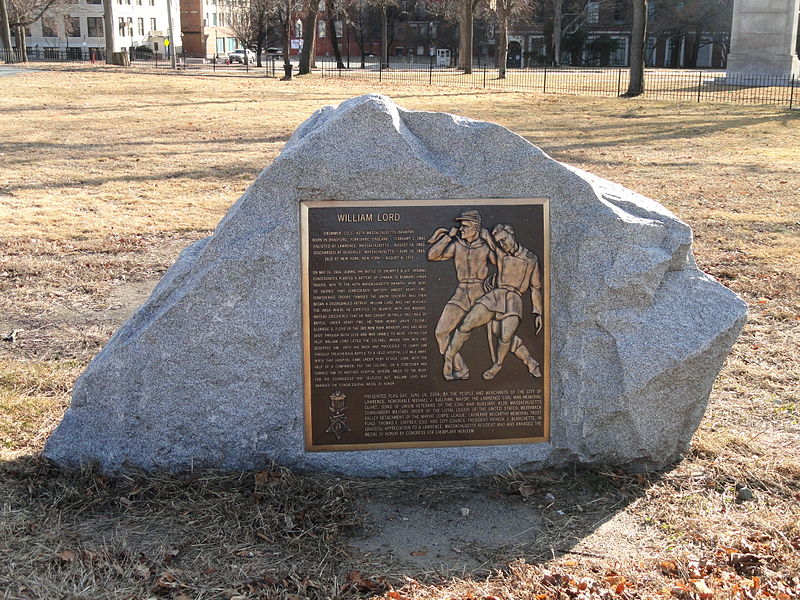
[(5, 70)]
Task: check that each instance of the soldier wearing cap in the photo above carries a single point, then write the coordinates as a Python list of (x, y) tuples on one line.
[(517, 273), (472, 250), (468, 246)]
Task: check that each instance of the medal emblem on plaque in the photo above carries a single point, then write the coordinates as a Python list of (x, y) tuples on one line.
[(338, 420)]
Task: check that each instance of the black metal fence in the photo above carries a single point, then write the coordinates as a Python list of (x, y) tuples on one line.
[(54, 55), (660, 84)]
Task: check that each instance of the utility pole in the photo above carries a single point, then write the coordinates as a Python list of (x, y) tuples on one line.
[(172, 49)]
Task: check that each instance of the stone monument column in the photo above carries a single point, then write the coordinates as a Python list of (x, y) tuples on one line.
[(763, 38)]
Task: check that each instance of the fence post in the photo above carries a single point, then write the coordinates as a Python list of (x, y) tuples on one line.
[(791, 94), (544, 87), (430, 72), (380, 70), (619, 82), (699, 84)]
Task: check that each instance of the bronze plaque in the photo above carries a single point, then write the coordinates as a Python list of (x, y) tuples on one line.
[(425, 323)]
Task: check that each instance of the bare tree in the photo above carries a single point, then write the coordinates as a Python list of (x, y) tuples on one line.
[(466, 34), (506, 11), (5, 30), (248, 21), (282, 12), (21, 15), (108, 30), (386, 11), (569, 16), (358, 17), (331, 13), (638, 37), (693, 24), (308, 17)]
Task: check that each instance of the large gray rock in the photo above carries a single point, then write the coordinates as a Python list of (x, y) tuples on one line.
[(208, 372)]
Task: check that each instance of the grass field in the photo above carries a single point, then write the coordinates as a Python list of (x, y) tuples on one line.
[(105, 176)]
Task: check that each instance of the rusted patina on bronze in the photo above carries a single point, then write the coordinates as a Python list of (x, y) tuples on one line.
[(425, 323)]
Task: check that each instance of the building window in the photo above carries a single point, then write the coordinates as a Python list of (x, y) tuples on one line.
[(220, 45), (651, 10), (155, 46), (619, 11), (72, 25), (650, 52), (214, 19), (49, 27), (94, 25), (322, 30), (153, 26), (140, 25), (94, 1), (338, 26), (121, 26), (298, 29), (152, 2), (593, 13), (619, 57)]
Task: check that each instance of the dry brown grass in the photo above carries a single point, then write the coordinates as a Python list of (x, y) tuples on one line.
[(106, 175)]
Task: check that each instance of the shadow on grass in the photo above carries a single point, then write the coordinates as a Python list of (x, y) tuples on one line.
[(279, 533)]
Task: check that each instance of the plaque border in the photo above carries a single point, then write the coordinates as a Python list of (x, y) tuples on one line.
[(305, 206)]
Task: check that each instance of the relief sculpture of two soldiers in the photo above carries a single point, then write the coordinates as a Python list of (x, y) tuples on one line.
[(485, 298)]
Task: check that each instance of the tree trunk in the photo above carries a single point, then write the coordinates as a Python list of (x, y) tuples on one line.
[(108, 29), (5, 30), (502, 40), (465, 36), (638, 37), (309, 35), (286, 34), (19, 36), (329, 13), (384, 37), (557, 10)]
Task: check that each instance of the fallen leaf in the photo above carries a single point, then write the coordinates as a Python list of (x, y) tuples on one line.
[(66, 556), (419, 553), (705, 592)]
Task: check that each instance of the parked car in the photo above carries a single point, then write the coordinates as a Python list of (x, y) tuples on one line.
[(237, 56)]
